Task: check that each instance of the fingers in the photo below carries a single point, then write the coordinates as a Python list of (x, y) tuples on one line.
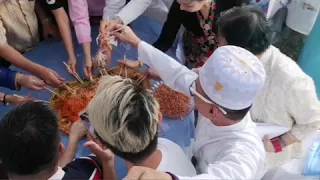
[(88, 72), (94, 147), (266, 138)]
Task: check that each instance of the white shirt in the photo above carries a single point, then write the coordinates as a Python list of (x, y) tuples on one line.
[(302, 15), (287, 99), (128, 13), (173, 159), (232, 152)]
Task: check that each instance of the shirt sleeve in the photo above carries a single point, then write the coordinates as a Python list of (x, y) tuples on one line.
[(3, 38), (79, 15), (54, 4), (173, 74), (304, 107), (8, 78), (133, 10), (170, 28), (83, 168), (241, 162), (112, 8)]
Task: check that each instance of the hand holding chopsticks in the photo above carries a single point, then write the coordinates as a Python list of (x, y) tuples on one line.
[(75, 75)]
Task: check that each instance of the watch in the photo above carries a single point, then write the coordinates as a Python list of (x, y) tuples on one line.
[(4, 102)]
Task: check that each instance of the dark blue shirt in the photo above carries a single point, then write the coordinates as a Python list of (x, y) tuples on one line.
[(7, 78)]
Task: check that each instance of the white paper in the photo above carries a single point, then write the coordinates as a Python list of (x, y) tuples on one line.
[(271, 130)]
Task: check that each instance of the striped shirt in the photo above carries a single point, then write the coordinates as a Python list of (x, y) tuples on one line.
[(18, 24)]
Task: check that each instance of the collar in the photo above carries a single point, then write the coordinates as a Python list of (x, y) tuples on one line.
[(58, 175)]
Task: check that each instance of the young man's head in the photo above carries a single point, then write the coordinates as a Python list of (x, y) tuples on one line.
[(125, 118), (228, 84), (246, 27), (30, 141)]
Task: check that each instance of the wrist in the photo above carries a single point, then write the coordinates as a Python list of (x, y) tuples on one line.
[(19, 80), (136, 42), (73, 140), (276, 144)]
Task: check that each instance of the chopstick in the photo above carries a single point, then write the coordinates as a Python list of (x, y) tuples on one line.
[(43, 101), (53, 92), (72, 91), (142, 78), (75, 75)]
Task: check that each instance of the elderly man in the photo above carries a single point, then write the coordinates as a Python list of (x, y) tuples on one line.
[(226, 144)]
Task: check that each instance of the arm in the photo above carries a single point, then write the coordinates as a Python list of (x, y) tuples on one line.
[(77, 132), (112, 8), (65, 31), (304, 107), (69, 153), (79, 15), (170, 28), (15, 58), (174, 75), (133, 10)]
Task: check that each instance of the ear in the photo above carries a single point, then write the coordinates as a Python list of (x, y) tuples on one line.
[(61, 149), (213, 111), (160, 118)]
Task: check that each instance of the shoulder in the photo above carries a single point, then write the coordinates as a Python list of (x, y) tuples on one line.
[(83, 168), (285, 69)]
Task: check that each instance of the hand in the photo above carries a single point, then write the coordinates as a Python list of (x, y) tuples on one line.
[(78, 131), (105, 155), (145, 173), (29, 82), (88, 68), (111, 25), (129, 63), (72, 64), (49, 30), (268, 146), (16, 100), (153, 75), (127, 35), (51, 78)]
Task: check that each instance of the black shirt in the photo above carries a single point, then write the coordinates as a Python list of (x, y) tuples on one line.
[(177, 17)]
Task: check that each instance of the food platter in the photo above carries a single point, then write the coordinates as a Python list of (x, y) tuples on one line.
[(69, 104), (172, 104)]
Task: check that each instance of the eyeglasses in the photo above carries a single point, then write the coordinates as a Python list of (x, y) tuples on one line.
[(206, 100)]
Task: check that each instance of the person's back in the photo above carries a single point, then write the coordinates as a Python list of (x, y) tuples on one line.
[(174, 159), (125, 119), (212, 143)]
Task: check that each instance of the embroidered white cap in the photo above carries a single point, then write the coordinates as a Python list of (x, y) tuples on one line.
[(232, 77)]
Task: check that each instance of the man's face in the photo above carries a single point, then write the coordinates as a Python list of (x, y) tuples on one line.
[(204, 108), (191, 5)]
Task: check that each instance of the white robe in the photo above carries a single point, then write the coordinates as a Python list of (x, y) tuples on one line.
[(230, 152)]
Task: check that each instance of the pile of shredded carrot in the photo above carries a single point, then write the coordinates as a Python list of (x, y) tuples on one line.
[(69, 105), (172, 104)]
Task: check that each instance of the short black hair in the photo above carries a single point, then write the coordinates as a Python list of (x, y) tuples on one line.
[(236, 115), (29, 139), (139, 157), (246, 27)]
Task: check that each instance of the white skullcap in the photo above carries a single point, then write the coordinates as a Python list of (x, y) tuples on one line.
[(232, 77)]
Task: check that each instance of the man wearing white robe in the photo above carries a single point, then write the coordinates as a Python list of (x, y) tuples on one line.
[(226, 144)]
